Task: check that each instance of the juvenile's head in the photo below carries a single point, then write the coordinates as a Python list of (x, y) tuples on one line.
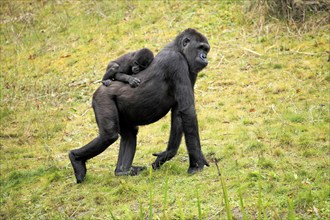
[(142, 59)]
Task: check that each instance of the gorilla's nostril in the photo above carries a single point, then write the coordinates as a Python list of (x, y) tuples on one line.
[(203, 57)]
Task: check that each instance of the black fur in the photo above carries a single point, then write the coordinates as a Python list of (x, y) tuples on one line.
[(122, 68), (167, 84)]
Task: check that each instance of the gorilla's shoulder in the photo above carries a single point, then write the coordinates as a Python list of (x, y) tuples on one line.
[(169, 57)]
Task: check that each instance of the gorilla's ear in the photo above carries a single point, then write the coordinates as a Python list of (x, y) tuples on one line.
[(185, 41)]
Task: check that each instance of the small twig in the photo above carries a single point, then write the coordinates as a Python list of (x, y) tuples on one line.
[(216, 164), (220, 61), (85, 112), (171, 22), (75, 211), (306, 53), (47, 95), (97, 81), (273, 108), (102, 15), (269, 48), (251, 51), (200, 91)]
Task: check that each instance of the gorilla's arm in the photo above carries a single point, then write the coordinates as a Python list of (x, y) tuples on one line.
[(190, 129), (186, 107), (111, 71), (133, 81), (184, 119)]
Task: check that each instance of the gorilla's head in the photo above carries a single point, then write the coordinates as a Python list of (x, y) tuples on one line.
[(142, 60), (194, 47)]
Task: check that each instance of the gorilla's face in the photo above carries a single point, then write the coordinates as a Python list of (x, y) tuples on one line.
[(201, 54), (136, 68), (195, 49)]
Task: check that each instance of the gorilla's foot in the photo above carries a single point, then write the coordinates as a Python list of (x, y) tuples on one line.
[(135, 170), (79, 167), (198, 167), (193, 170)]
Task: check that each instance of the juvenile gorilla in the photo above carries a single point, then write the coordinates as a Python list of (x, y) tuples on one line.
[(167, 84), (122, 68)]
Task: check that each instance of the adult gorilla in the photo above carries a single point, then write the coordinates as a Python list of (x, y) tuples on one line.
[(167, 84)]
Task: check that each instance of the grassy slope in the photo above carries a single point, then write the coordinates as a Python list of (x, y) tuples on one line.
[(266, 117)]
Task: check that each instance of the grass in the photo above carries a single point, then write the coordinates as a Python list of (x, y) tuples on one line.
[(165, 201), (226, 198), (262, 105), (150, 192)]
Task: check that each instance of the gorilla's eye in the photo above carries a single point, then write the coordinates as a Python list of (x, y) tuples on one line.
[(204, 47), (140, 65)]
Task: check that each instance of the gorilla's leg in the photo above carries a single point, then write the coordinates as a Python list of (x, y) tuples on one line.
[(107, 120), (174, 140), (78, 157), (127, 152)]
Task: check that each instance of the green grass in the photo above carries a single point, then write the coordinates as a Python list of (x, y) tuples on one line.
[(262, 104), (226, 198)]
